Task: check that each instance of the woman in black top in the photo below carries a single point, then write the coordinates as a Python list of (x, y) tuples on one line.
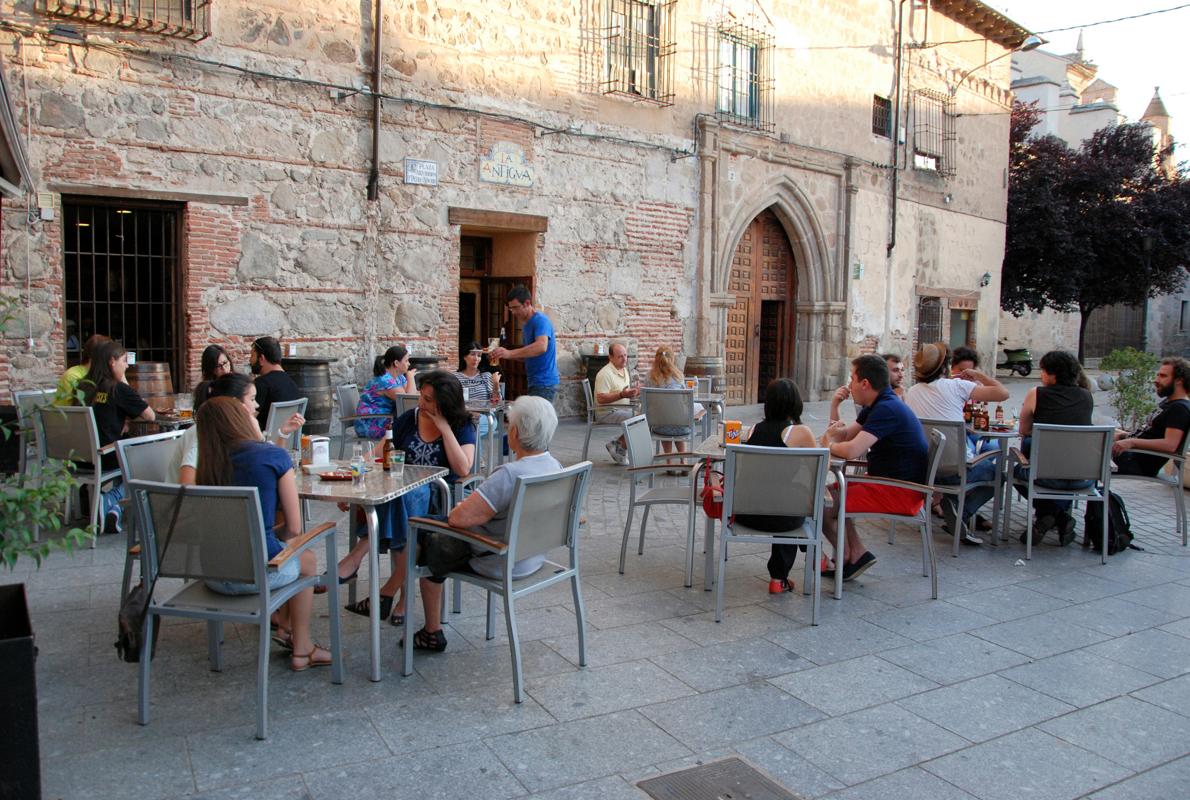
[(1062, 399), (782, 427), (113, 402)]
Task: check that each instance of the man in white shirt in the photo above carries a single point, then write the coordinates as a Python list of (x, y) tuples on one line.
[(613, 387), (935, 396)]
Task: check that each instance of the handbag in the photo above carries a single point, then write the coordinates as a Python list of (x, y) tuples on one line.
[(130, 621), (712, 492)]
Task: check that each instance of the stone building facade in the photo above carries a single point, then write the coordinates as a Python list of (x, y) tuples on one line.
[(777, 185)]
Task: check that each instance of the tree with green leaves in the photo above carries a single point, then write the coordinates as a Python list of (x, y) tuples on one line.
[(1091, 227)]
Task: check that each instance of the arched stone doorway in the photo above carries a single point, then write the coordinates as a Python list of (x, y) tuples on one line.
[(761, 329)]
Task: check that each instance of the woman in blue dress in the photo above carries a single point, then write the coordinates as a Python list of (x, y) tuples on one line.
[(393, 376), (438, 433)]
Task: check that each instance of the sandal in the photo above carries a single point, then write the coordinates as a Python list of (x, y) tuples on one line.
[(424, 640), (301, 663), (364, 607), (282, 637), (396, 620)]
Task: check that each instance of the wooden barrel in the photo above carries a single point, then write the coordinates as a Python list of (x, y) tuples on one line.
[(313, 378), (152, 381), (707, 367)]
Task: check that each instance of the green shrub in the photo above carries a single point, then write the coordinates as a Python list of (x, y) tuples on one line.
[(1132, 393)]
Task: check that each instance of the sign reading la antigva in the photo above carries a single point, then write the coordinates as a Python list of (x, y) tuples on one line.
[(505, 163)]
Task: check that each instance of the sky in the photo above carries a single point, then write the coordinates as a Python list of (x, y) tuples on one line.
[(1134, 55)]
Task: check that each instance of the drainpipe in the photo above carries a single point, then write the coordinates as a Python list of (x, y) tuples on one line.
[(896, 129), (374, 173)]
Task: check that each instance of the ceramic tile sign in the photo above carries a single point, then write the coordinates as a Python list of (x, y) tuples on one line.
[(423, 173), (505, 163)]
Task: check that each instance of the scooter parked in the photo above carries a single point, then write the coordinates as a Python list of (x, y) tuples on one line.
[(1018, 360)]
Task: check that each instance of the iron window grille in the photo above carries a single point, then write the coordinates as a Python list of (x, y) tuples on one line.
[(934, 135), (180, 19), (640, 47), (929, 321), (881, 116), (744, 76)]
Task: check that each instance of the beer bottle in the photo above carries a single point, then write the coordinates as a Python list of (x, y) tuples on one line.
[(386, 458)]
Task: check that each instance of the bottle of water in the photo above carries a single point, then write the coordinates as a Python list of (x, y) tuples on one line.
[(358, 466)]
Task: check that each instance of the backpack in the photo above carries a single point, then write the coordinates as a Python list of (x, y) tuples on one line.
[(1119, 527)]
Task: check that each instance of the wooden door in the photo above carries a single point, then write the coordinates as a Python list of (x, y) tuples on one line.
[(496, 316), (760, 326)]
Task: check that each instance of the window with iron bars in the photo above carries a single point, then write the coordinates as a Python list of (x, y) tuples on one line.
[(640, 48), (744, 81), (881, 116), (934, 135), (181, 19)]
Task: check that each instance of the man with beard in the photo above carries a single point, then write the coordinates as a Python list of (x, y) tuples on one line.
[(1165, 429), (273, 385)]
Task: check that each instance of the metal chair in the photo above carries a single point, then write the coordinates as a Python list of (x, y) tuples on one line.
[(921, 519), (278, 413), (405, 402), (643, 466), (28, 401), (145, 458), (669, 407), (778, 481), (544, 515), (69, 434), (953, 463), (219, 535), (347, 399), (1172, 480), (1063, 453), (593, 414)]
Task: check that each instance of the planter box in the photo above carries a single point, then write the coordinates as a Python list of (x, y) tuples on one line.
[(20, 763)]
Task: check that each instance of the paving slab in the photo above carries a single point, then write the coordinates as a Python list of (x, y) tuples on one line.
[(983, 708), (1173, 695), (718, 665), (601, 690), (847, 686), (913, 783), (1040, 636), (1166, 781), (1079, 677), (1128, 731), (1154, 651), (930, 620), (838, 641), (953, 658)]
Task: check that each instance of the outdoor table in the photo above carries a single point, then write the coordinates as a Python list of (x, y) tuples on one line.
[(495, 412), (161, 423), (713, 449), (1001, 438), (378, 487), (713, 403)]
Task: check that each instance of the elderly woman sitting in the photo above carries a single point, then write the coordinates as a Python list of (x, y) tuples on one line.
[(531, 425)]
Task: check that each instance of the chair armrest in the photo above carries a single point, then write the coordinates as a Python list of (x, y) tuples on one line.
[(354, 417), (1019, 457), (666, 456), (984, 456), (662, 468), (300, 543), (894, 482), (1144, 451), (466, 535), (106, 449)]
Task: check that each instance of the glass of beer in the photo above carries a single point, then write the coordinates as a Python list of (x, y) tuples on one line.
[(184, 406)]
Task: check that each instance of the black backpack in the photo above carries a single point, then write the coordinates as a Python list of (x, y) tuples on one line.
[(1119, 527)]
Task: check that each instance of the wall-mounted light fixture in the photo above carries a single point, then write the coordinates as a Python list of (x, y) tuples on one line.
[(985, 279)]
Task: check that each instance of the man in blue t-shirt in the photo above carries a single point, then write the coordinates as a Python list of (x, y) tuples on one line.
[(539, 351), (896, 447)]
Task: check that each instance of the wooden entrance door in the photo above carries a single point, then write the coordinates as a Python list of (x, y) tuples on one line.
[(760, 326)]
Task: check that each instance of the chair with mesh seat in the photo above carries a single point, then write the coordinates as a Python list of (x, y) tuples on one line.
[(1064, 453), (347, 400), (643, 468), (69, 434), (145, 458), (778, 481), (544, 516), (953, 464), (596, 413), (670, 408), (1173, 480), (28, 401), (218, 534), (278, 414), (921, 520), (405, 402)]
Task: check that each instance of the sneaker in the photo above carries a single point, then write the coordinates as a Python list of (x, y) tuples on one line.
[(616, 453), (111, 523), (1041, 526), (854, 570), (780, 585), (1065, 530)]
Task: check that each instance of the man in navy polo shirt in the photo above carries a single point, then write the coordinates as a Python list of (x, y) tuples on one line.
[(539, 351), (895, 443)]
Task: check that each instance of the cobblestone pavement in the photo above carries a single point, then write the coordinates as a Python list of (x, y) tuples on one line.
[(1059, 678)]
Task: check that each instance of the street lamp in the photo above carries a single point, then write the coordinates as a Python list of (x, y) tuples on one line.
[(1031, 42)]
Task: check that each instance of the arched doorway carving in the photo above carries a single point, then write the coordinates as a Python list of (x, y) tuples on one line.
[(762, 324)]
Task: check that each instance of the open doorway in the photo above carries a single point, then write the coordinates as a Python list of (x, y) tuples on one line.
[(491, 263)]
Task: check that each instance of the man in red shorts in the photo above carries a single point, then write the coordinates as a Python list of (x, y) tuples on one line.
[(896, 447)]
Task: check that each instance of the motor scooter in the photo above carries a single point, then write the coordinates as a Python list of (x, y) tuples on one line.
[(1018, 360)]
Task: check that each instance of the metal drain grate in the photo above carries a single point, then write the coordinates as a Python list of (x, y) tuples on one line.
[(729, 779)]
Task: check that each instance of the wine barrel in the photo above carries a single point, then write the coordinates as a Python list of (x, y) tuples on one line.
[(707, 367), (152, 381), (313, 378)]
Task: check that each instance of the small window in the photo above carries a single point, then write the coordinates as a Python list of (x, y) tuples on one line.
[(929, 321), (882, 116), (180, 19), (475, 256), (640, 47), (934, 134), (744, 83), (1182, 321)]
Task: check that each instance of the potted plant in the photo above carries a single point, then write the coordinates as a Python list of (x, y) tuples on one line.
[(1132, 387), (28, 503)]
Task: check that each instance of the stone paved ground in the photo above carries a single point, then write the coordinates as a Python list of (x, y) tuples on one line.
[(1057, 679)]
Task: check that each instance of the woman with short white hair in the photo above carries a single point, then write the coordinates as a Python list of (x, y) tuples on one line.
[(532, 422)]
